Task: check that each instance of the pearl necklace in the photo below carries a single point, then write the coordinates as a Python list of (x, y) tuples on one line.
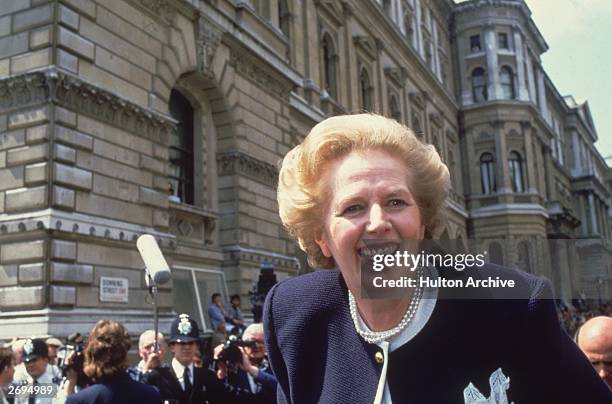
[(374, 337)]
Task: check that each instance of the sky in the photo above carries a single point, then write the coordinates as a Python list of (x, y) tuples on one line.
[(579, 58)]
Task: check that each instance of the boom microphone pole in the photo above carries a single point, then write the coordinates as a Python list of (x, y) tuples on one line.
[(157, 271)]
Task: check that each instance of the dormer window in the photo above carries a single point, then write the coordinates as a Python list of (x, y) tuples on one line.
[(475, 43)]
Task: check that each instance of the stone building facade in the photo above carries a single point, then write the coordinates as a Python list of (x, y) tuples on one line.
[(169, 117)]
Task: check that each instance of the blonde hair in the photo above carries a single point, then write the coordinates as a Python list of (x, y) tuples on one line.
[(107, 349), (300, 198)]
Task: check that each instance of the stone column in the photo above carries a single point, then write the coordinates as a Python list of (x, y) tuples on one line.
[(523, 94), (592, 218), (501, 159), (350, 61), (530, 163), (493, 85)]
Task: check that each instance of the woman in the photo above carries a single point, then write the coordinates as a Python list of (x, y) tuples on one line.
[(106, 363), (362, 184)]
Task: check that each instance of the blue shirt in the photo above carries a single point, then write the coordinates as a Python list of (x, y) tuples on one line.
[(216, 316)]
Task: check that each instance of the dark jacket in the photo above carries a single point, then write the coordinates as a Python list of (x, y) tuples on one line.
[(317, 356), (266, 386), (206, 387), (116, 390)]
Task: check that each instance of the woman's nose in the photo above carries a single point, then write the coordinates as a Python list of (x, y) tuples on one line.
[(378, 222)]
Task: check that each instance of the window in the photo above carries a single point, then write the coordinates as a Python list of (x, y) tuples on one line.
[(502, 40), (329, 66), (387, 8), (475, 43), (495, 254), (516, 172), (395, 109), (196, 288), (408, 28), (479, 85), (365, 90), (524, 262), (487, 173), (506, 78), (181, 149), (284, 17)]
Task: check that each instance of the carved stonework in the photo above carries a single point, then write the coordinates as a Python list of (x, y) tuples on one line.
[(239, 163), (417, 99), (73, 92), (104, 105), (255, 258), (367, 45), (192, 225), (23, 90), (209, 37), (160, 8), (436, 119), (396, 75), (257, 73)]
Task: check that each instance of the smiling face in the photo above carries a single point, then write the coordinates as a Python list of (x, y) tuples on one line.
[(369, 202)]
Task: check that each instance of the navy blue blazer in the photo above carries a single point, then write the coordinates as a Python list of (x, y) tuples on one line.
[(318, 357), (120, 389)]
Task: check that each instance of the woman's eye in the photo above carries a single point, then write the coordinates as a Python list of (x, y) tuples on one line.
[(351, 209), (396, 202)]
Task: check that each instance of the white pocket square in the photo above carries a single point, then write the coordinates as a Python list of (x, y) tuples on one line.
[(498, 382)]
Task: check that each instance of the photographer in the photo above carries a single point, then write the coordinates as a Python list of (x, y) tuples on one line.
[(248, 375), (70, 358), (150, 358)]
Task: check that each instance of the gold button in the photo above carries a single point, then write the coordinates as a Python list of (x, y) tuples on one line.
[(379, 358)]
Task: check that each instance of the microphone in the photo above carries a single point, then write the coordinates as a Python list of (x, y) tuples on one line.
[(156, 266)]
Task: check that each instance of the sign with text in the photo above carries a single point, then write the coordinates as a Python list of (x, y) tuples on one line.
[(114, 289)]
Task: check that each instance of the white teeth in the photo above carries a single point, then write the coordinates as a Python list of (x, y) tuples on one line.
[(369, 252)]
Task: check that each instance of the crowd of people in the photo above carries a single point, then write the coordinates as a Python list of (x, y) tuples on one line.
[(573, 316), (234, 370)]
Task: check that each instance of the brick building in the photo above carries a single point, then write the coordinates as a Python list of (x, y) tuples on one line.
[(168, 117)]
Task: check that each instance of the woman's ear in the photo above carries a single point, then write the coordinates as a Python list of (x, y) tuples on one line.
[(323, 245)]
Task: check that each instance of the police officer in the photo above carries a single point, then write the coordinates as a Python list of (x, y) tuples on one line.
[(36, 370), (182, 382)]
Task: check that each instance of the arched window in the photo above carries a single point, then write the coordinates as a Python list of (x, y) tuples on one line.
[(516, 171), (524, 258), (395, 109), (329, 66), (284, 17), (487, 173), (495, 254), (181, 149), (506, 78), (479, 85), (365, 90), (416, 127)]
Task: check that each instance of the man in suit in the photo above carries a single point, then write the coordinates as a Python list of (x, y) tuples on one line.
[(595, 339), (182, 382), (253, 380)]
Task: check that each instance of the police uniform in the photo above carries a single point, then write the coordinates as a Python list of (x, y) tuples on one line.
[(203, 385), (32, 350)]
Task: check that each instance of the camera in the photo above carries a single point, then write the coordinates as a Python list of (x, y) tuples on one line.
[(73, 349), (231, 355)]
